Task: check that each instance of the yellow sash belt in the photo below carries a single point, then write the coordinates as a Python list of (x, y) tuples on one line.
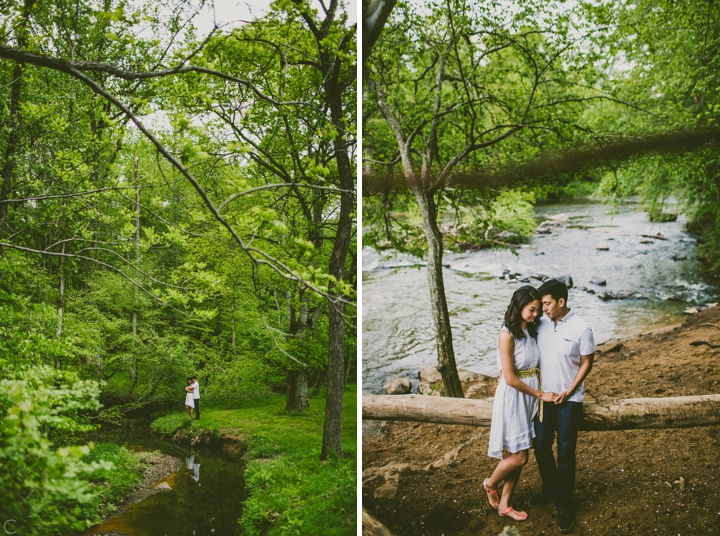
[(529, 373)]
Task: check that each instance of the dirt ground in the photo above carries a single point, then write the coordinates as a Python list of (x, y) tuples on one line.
[(426, 479)]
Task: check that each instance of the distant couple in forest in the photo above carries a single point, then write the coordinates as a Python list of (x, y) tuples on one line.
[(192, 398), (544, 360)]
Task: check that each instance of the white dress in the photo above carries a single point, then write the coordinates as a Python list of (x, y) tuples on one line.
[(513, 411), (189, 400)]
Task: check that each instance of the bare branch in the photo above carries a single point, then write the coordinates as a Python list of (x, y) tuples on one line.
[(279, 185), (61, 196)]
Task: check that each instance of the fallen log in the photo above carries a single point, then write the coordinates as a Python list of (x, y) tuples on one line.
[(373, 527), (607, 414)]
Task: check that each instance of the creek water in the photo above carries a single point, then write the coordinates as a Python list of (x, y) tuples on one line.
[(204, 500), (398, 331)]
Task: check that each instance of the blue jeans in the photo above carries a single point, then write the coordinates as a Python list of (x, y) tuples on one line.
[(558, 481)]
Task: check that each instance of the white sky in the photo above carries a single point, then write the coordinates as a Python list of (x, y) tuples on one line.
[(233, 12)]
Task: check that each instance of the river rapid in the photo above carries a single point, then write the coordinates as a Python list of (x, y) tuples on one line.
[(398, 332)]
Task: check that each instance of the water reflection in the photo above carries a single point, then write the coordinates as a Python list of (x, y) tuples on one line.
[(398, 330), (192, 466)]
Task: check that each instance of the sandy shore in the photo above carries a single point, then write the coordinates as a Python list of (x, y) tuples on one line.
[(628, 482)]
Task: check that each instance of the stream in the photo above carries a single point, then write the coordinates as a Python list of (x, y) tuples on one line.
[(398, 331), (205, 499)]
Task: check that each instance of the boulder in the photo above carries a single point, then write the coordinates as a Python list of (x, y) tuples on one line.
[(690, 311), (548, 226), (426, 388), (386, 491), (602, 246), (564, 218), (597, 280), (605, 296), (477, 390), (430, 374), (568, 280), (398, 386), (163, 486), (467, 376)]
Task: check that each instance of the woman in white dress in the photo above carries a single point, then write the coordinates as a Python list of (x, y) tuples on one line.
[(516, 398), (189, 402)]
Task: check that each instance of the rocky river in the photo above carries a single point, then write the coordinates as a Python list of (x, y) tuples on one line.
[(630, 275)]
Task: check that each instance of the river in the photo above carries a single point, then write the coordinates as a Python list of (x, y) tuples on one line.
[(205, 499), (398, 333)]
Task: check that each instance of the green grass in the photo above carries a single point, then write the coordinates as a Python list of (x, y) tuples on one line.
[(289, 490), (110, 485)]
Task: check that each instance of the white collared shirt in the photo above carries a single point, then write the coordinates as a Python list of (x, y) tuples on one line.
[(561, 346), (196, 390)]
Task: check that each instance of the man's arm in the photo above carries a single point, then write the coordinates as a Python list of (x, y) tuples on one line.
[(586, 363)]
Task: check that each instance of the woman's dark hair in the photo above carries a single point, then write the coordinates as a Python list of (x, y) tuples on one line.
[(513, 316)]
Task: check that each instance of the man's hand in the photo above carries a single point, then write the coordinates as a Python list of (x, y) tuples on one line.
[(562, 397)]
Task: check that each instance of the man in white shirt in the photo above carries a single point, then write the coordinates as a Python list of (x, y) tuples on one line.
[(196, 396), (567, 349)]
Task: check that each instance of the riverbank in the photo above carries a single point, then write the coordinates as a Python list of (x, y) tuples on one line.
[(288, 489), (421, 478)]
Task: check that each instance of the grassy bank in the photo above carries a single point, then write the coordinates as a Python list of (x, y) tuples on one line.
[(289, 490), (112, 483)]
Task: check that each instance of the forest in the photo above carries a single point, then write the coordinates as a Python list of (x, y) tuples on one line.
[(173, 202)]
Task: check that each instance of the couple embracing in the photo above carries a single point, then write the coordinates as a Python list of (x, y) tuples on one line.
[(544, 360)]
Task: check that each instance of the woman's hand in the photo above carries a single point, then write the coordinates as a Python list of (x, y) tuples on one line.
[(548, 396)]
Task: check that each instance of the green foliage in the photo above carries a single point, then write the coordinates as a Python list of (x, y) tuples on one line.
[(43, 486), (118, 472)]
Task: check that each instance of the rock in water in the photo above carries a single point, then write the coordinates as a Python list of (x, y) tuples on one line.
[(164, 486), (548, 226), (568, 280), (602, 246), (560, 217), (597, 280), (398, 386)]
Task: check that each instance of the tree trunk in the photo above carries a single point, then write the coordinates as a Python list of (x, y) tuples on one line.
[(134, 373), (332, 429), (297, 391), (13, 140), (446, 353), (374, 20), (610, 414), (61, 304), (232, 324)]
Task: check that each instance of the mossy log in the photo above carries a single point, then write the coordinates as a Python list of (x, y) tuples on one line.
[(607, 414)]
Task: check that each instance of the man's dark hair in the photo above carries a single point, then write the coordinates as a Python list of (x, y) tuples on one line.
[(193, 378), (556, 289)]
